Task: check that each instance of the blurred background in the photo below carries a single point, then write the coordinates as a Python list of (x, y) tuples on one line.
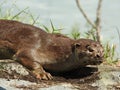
[(65, 15)]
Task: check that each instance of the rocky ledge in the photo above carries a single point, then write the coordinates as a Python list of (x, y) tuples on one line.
[(14, 76)]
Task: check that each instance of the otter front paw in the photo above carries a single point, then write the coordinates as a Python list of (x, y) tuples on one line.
[(42, 75)]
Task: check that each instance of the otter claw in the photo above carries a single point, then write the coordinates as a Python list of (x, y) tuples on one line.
[(43, 76)]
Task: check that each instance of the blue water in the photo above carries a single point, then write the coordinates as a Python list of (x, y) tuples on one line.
[(65, 14)]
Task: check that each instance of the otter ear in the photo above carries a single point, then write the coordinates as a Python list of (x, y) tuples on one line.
[(75, 45)]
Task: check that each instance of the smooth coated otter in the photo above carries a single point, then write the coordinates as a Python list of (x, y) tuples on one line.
[(38, 50)]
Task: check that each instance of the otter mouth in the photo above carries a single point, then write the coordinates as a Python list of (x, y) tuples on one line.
[(96, 62)]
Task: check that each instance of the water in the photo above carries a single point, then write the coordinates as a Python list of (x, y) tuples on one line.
[(64, 14)]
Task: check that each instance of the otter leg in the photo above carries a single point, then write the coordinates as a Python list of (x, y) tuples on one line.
[(25, 58), (41, 74)]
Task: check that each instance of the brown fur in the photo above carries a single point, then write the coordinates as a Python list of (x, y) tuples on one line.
[(36, 49)]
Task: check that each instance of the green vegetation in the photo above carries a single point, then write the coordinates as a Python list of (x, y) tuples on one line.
[(109, 53), (14, 13), (75, 34), (53, 29), (22, 14)]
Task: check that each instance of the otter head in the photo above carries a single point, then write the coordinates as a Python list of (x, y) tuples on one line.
[(88, 50)]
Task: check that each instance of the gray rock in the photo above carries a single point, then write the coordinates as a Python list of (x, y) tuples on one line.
[(15, 84), (109, 77), (10, 67)]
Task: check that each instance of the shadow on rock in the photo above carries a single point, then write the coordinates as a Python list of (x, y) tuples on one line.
[(76, 73)]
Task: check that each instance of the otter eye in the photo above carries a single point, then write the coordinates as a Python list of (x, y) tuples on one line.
[(89, 48)]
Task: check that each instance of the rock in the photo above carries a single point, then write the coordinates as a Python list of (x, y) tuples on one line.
[(15, 84), (14, 76), (60, 86), (10, 67), (109, 77), (21, 84)]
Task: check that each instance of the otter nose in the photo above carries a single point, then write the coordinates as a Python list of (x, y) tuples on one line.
[(98, 55)]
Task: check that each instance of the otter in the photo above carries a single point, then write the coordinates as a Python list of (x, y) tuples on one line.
[(38, 50)]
